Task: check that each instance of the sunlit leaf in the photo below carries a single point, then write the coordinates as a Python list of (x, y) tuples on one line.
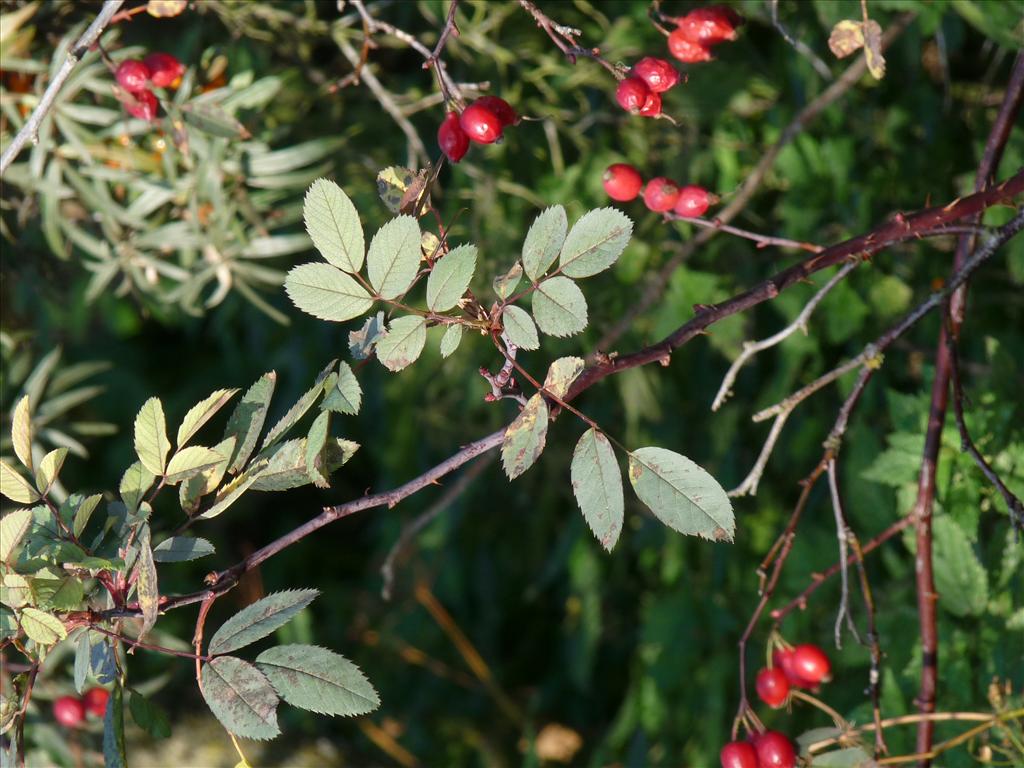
[(318, 680), (260, 619)]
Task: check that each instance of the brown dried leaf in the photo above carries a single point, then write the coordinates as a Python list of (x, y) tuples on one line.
[(847, 37), (873, 49)]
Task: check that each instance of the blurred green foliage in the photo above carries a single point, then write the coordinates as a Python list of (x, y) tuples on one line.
[(634, 651)]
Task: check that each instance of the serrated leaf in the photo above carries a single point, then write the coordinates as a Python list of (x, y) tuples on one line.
[(202, 412), (597, 486), (146, 587), (394, 257), (14, 590), (315, 442), (135, 481), (562, 374), (178, 549), (13, 527), (544, 241), (318, 680), (232, 492), (346, 396), (285, 464), (333, 224), (519, 327), (595, 242), (241, 697), (297, 411), (848, 757), (14, 486), (114, 754), (402, 343), (44, 628), (21, 432), (246, 421), (451, 340), (559, 307), (505, 285), (190, 461), (525, 437), (206, 481), (151, 443), (681, 494), (260, 619), (83, 511), (362, 342), (324, 291), (8, 626), (51, 589), (960, 578), (49, 468), (450, 278)]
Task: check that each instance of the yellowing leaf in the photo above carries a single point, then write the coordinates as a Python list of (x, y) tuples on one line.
[(165, 9), (847, 37)]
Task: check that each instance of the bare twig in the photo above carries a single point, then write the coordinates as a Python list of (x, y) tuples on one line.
[(763, 241), (565, 38), (842, 534), (801, 47)]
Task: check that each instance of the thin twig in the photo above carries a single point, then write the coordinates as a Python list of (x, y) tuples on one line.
[(801, 47), (763, 241), (842, 534)]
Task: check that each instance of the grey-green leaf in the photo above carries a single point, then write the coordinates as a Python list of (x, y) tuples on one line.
[(177, 549), (151, 443), (246, 421), (505, 285), (318, 680), (324, 291), (519, 327), (544, 241), (595, 242), (451, 340), (146, 583), (346, 396), (333, 224), (402, 343), (559, 307), (525, 438), (241, 697), (597, 485), (681, 494), (114, 753), (562, 374), (450, 278), (394, 257), (285, 465), (260, 619)]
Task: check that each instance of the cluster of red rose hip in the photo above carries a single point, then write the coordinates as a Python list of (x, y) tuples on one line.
[(623, 182), (135, 76), (484, 121), (701, 29), (803, 666), (70, 711)]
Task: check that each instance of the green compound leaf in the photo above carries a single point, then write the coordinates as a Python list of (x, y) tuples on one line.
[(402, 343), (595, 242), (151, 443), (505, 285), (450, 278), (318, 680), (394, 257), (246, 421), (681, 494), (559, 307), (960, 579), (44, 628), (544, 241), (346, 396), (451, 339), (597, 485), (326, 292), (202, 412), (333, 225), (241, 697), (260, 619), (178, 549), (562, 374), (14, 486), (519, 327), (525, 438)]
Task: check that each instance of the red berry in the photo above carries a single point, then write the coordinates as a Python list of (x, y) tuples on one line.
[(738, 754), (143, 105), (651, 107), (632, 94), (811, 664), (659, 75), (501, 108), (132, 75), (95, 700), (693, 201), (481, 124), (710, 26), (686, 50), (68, 711), (622, 182), (774, 750), (661, 194), (164, 69), (772, 687), (452, 139)]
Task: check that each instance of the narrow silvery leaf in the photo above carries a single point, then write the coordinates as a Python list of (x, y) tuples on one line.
[(525, 437), (505, 285), (333, 225), (595, 242), (562, 374), (241, 697), (403, 342), (394, 257), (260, 619), (559, 307), (151, 443), (48, 469), (597, 486), (326, 292), (146, 584), (21, 432), (178, 549), (544, 241), (681, 494), (519, 327), (202, 412), (346, 395), (450, 278), (451, 339), (246, 421), (318, 680), (14, 486)]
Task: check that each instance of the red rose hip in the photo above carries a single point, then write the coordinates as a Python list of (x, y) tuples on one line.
[(811, 664), (143, 106), (687, 50), (661, 194), (632, 94), (622, 182), (165, 69), (738, 754), (68, 711), (772, 687), (132, 75), (710, 26), (693, 201), (95, 701), (774, 750), (659, 75), (481, 124), (501, 108), (452, 140), (651, 107)]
